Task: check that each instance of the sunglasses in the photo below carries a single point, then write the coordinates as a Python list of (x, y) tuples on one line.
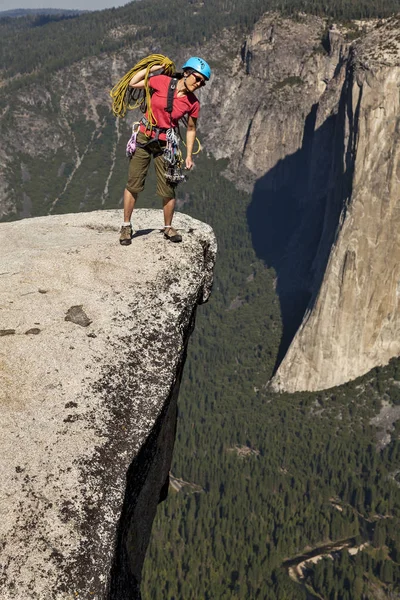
[(198, 79)]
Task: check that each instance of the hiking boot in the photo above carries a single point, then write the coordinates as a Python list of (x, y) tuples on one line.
[(172, 235), (125, 237)]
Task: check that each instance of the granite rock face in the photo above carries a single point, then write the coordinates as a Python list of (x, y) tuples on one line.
[(260, 100), (93, 342), (317, 145), (352, 322), (290, 78)]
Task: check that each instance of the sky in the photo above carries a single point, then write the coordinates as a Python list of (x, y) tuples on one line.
[(70, 4)]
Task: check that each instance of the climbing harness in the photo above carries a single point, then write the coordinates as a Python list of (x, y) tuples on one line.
[(157, 131), (131, 145), (171, 153)]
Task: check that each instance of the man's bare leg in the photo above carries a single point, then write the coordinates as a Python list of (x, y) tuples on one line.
[(126, 229), (129, 205), (169, 208), (169, 232)]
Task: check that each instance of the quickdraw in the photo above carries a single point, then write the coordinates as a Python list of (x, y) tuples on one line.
[(173, 158)]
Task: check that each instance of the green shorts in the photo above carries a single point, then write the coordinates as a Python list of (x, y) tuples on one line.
[(139, 165)]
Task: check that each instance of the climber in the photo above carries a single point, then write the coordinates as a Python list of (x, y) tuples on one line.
[(151, 140)]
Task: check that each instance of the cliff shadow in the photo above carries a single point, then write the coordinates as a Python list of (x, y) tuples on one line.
[(294, 214), (147, 483)]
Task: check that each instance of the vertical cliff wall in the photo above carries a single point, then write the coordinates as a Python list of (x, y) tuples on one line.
[(287, 147), (260, 101), (317, 145), (352, 322), (93, 342)]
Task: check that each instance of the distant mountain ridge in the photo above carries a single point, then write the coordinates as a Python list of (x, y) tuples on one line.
[(26, 12), (136, 23)]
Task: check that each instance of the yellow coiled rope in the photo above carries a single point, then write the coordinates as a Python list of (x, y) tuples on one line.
[(120, 95)]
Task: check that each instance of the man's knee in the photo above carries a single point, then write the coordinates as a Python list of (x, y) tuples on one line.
[(134, 190)]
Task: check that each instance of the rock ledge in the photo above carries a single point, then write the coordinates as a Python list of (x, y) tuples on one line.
[(93, 340)]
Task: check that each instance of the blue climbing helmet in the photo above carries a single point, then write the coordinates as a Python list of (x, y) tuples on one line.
[(199, 65)]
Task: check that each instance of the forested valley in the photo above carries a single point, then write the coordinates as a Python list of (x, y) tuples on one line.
[(269, 476), (259, 479)]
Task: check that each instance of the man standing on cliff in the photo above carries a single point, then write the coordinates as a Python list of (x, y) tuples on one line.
[(151, 141)]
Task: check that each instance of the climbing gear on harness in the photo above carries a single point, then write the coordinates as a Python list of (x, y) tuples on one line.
[(173, 159), (171, 234), (172, 154), (125, 99), (199, 65), (126, 233), (131, 145)]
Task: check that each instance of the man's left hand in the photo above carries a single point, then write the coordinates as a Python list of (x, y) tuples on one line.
[(189, 162)]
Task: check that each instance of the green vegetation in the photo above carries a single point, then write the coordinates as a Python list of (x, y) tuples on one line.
[(353, 577), (288, 81), (47, 177), (279, 473)]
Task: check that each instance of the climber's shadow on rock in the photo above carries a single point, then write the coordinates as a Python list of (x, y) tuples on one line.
[(294, 214), (141, 232)]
